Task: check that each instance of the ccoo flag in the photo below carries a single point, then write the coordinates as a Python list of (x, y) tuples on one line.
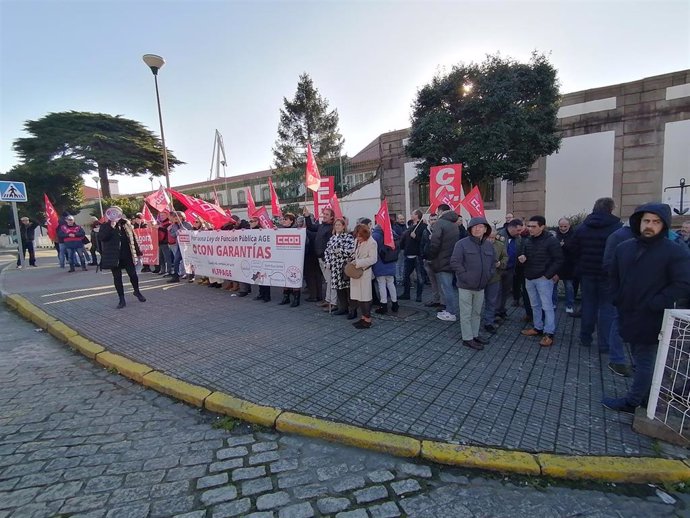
[(473, 203), (275, 203), (52, 219), (313, 180), (383, 219)]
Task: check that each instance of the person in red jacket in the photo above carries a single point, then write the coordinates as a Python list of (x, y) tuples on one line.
[(72, 235)]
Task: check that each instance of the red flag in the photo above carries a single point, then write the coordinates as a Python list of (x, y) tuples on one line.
[(146, 215), (451, 202), (275, 204), (251, 206), (335, 205), (263, 217), (382, 218), (473, 203), (52, 219), (159, 200), (313, 177), (208, 211), (445, 182)]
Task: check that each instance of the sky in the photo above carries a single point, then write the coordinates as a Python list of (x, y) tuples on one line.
[(229, 64)]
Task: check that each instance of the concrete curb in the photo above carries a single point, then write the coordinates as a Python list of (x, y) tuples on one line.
[(636, 470)]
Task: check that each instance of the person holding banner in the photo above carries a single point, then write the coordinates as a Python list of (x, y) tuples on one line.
[(120, 250), (338, 253), (180, 224), (288, 221), (366, 254)]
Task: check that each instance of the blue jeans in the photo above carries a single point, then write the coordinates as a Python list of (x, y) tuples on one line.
[(61, 254), (569, 293), (164, 258), (445, 281), (413, 264), (540, 293), (492, 298), (178, 263), (75, 256), (616, 347), (597, 311), (644, 357), (400, 267)]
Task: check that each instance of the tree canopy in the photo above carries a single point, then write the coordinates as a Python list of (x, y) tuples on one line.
[(95, 142), (496, 118), (306, 119), (60, 180)]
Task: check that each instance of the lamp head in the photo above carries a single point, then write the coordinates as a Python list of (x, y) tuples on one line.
[(154, 62)]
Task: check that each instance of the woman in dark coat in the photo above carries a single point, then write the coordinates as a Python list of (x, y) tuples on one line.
[(119, 250)]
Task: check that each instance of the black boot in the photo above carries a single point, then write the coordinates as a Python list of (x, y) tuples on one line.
[(122, 303), (394, 307), (174, 278), (71, 268), (139, 296), (295, 299), (286, 299), (84, 268), (382, 310), (352, 315)]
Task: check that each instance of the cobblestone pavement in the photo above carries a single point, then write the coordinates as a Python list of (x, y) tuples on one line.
[(78, 441), (407, 374)]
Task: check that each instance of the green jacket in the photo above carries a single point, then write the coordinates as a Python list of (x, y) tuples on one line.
[(501, 259)]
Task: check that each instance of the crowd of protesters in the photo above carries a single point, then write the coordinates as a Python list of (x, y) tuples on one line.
[(473, 272)]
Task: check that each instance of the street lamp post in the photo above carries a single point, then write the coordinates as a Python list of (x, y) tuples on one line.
[(155, 63), (97, 179)]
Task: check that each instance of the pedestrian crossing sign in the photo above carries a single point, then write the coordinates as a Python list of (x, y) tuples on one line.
[(12, 191)]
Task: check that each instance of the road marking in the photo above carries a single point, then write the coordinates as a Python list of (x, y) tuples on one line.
[(112, 291), (104, 287)]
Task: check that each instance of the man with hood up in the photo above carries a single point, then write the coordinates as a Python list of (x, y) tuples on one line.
[(474, 263), (648, 274), (588, 246)]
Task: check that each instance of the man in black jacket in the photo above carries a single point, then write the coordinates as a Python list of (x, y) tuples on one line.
[(441, 246), (322, 233), (588, 246), (27, 229), (542, 258), (648, 275), (410, 244)]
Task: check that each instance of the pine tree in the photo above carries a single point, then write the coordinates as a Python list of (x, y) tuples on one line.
[(306, 119)]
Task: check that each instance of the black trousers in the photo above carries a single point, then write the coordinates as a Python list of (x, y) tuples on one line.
[(117, 278), (28, 245)]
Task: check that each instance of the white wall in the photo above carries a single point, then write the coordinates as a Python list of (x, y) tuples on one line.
[(362, 203), (676, 162), (578, 174)]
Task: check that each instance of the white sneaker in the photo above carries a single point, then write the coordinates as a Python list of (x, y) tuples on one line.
[(444, 315), (569, 310)]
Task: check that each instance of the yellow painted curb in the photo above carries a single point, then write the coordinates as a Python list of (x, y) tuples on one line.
[(86, 347), (348, 434), (13, 299), (192, 394), (235, 407), (480, 457), (61, 331), (637, 470), (125, 366), (36, 315)]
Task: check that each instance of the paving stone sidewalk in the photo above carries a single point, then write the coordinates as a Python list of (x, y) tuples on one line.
[(408, 375), (78, 441)]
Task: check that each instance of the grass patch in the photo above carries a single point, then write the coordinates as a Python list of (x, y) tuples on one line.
[(226, 423)]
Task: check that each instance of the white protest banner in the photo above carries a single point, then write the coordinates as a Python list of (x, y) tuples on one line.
[(270, 257)]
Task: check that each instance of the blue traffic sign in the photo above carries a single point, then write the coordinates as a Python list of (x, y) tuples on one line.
[(12, 191)]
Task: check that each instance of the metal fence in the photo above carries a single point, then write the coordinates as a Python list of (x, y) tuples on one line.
[(669, 399)]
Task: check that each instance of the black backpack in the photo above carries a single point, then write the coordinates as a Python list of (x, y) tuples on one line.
[(388, 255)]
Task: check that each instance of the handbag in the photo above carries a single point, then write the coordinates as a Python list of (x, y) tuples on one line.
[(351, 271)]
